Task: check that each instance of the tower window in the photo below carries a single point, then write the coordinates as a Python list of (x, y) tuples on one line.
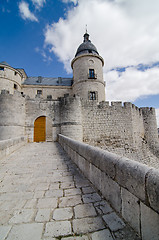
[(92, 95), (15, 86), (1, 68), (92, 74), (39, 92)]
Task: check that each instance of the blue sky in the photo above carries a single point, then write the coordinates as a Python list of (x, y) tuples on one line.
[(42, 36)]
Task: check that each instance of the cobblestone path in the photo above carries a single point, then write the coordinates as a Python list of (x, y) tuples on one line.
[(43, 196)]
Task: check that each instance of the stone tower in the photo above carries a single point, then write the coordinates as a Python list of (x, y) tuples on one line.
[(87, 68)]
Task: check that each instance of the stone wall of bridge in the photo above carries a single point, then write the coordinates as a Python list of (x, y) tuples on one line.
[(131, 188)]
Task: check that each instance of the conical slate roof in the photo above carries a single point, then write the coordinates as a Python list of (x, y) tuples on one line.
[(86, 47), (5, 63)]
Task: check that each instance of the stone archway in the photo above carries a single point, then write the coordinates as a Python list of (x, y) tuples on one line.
[(42, 129)]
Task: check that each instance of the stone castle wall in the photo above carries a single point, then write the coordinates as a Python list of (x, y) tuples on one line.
[(54, 91), (113, 125), (10, 79), (12, 115)]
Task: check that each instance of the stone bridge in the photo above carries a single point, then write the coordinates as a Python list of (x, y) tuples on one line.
[(45, 196)]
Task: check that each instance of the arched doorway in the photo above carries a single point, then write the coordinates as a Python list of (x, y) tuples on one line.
[(40, 129), (43, 129)]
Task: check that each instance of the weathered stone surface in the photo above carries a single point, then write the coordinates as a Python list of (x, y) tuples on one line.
[(43, 215), (63, 213), (31, 231), (86, 225), (111, 191), (70, 201), (87, 190), (102, 235), (149, 223), (47, 203), (84, 210), (131, 209), (54, 193), (55, 229), (103, 207), (152, 187), (4, 230), (126, 233), (44, 164), (72, 192), (23, 216), (75, 238), (113, 221), (131, 175), (91, 197)]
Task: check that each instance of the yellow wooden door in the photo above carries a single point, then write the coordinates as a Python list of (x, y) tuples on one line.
[(40, 129)]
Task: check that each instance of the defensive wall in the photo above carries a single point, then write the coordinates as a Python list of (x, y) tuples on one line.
[(12, 115), (131, 188)]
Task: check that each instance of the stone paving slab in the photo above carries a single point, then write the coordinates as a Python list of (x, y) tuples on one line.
[(43, 196)]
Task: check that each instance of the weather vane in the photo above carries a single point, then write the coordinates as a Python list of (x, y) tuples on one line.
[(86, 28)]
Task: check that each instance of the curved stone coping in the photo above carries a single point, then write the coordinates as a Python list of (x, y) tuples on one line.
[(9, 145), (139, 179)]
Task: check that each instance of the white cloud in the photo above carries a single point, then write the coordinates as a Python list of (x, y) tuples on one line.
[(131, 84), (38, 3), (125, 33), (46, 58), (26, 13), (73, 1)]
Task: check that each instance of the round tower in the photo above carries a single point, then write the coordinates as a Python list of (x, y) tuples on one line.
[(87, 68), (10, 78)]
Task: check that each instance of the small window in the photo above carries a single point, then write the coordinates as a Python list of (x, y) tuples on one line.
[(15, 73), (92, 95), (49, 97), (92, 74), (1, 68), (39, 92), (15, 86)]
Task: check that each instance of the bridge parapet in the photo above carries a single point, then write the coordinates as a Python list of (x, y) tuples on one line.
[(131, 188), (10, 145)]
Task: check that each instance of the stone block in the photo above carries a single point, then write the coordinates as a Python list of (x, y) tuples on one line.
[(113, 221), (43, 215), (23, 216), (86, 225), (103, 207), (4, 230), (91, 197), (84, 210), (111, 191), (152, 187), (131, 209), (95, 176), (72, 192), (149, 223), (63, 214), (70, 201), (131, 175), (56, 229), (31, 231), (103, 235), (47, 203)]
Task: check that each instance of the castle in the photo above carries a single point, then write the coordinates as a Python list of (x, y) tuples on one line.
[(41, 108)]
